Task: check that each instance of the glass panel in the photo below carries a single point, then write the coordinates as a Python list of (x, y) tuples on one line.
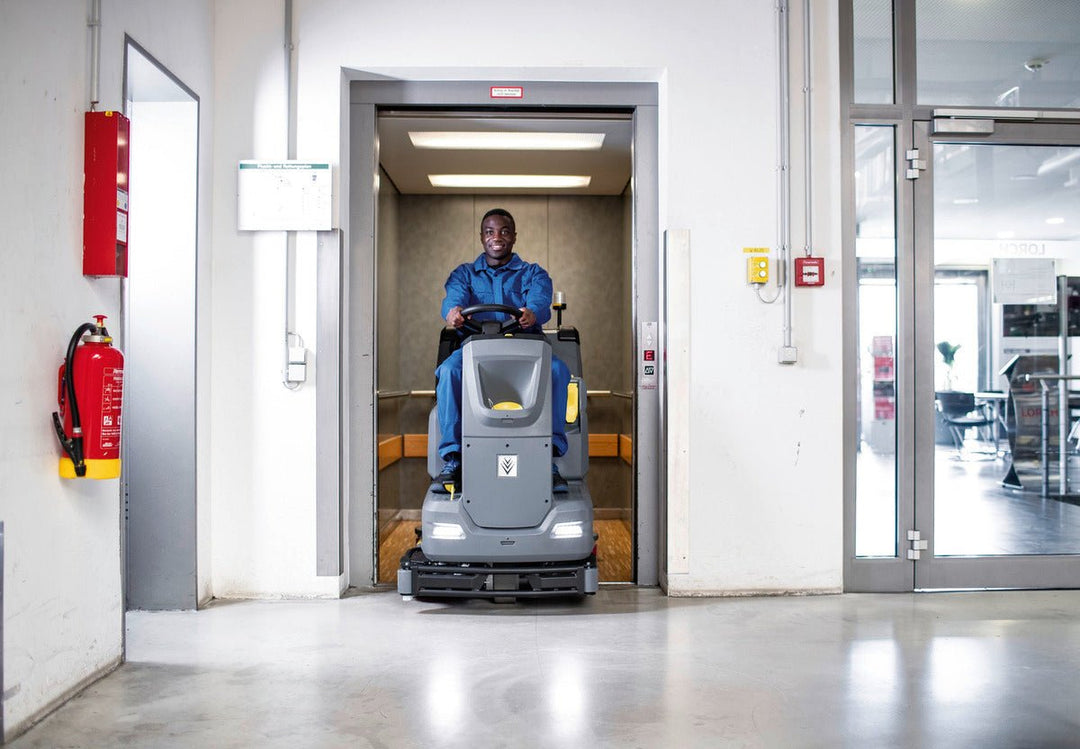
[(875, 249), (1006, 223), (998, 54), (872, 22)]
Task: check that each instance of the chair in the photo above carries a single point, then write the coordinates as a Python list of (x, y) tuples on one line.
[(960, 413)]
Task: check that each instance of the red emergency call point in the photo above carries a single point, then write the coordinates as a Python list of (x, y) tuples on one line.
[(809, 271), (105, 195)]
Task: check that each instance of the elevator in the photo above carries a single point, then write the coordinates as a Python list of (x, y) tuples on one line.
[(601, 249)]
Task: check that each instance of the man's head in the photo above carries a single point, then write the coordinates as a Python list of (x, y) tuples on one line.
[(497, 235)]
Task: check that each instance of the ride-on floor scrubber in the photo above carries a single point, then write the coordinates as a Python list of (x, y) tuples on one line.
[(504, 533)]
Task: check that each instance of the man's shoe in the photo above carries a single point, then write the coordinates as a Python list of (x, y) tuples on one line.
[(449, 479), (558, 483)]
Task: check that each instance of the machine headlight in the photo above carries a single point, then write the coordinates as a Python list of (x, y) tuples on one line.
[(567, 530), (447, 531)]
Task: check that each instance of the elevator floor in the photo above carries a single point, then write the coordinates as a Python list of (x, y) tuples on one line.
[(613, 549), (627, 667)]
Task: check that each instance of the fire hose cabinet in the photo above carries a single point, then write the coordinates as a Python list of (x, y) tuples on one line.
[(105, 195)]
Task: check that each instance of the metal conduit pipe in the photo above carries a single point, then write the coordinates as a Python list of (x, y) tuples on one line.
[(290, 139), (787, 354), (94, 24), (808, 249)]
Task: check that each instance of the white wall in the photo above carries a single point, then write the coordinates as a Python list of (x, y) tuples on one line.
[(765, 497), (62, 569), (263, 506)]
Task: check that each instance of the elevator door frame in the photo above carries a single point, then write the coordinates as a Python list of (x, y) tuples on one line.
[(366, 98)]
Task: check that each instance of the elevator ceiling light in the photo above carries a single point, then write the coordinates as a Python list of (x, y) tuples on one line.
[(1055, 220), (503, 181), (965, 201), (1006, 235), (507, 141)]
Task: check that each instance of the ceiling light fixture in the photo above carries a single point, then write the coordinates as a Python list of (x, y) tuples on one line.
[(507, 141), (1006, 235), (1055, 220), (965, 201), (504, 181)]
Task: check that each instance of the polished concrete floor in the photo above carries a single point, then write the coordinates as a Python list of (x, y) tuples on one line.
[(627, 667)]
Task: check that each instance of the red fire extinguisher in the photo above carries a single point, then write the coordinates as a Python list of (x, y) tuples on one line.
[(90, 393)]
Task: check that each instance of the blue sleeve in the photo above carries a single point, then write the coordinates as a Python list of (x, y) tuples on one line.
[(538, 295), (458, 290)]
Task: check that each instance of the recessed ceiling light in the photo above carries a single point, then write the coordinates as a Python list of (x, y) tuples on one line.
[(1055, 220), (1006, 234), (548, 181), (965, 201), (507, 141)]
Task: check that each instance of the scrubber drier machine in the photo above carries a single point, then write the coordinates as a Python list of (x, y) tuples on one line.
[(504, 533)]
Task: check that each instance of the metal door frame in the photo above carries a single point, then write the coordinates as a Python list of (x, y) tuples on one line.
[(914, 285), (159, 535), (931, 572), (360, 157)]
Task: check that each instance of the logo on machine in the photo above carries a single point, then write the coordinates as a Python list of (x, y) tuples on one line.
[(507, 466)]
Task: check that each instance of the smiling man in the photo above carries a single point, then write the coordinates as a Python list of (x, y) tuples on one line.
[(498, 276)]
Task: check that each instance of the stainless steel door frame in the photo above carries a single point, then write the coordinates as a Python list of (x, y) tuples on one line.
[(933, 572), (358, 267), (896, 573)]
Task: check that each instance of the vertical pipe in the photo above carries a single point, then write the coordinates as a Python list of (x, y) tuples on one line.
[(785, 164), (808, 250), (290, 139), (1063, 385), (95, 52)]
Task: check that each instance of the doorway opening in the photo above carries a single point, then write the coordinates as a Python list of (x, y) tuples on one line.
[(159, 302), (581, 236)]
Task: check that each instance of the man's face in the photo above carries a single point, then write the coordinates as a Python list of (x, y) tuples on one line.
[(498, 236)]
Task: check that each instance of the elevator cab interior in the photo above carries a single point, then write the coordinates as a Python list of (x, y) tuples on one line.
[(582, 235)]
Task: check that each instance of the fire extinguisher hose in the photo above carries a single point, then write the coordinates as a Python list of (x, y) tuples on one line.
[(73, 445)]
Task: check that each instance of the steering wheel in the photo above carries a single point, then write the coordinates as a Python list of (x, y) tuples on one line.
[(503, 327)]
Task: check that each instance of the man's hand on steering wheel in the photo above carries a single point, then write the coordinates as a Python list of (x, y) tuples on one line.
[(528, 318), (454, 318)]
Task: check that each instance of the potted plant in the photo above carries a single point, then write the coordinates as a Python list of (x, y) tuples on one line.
[(948, 354)]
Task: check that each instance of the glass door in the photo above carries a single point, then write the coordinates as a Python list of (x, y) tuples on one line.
[(996, 227)]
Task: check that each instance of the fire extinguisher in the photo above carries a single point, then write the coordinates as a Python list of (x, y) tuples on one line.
[(90, 394)]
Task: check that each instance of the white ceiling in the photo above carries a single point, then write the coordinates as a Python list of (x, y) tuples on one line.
[(408, 167)]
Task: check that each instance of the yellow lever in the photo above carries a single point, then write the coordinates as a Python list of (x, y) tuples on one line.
[(571, 403)]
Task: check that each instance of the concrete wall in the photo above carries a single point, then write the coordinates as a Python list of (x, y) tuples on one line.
[(63, 606), (765, 481)]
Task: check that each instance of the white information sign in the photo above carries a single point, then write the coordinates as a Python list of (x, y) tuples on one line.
[(1024, 281), (284, 196)]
